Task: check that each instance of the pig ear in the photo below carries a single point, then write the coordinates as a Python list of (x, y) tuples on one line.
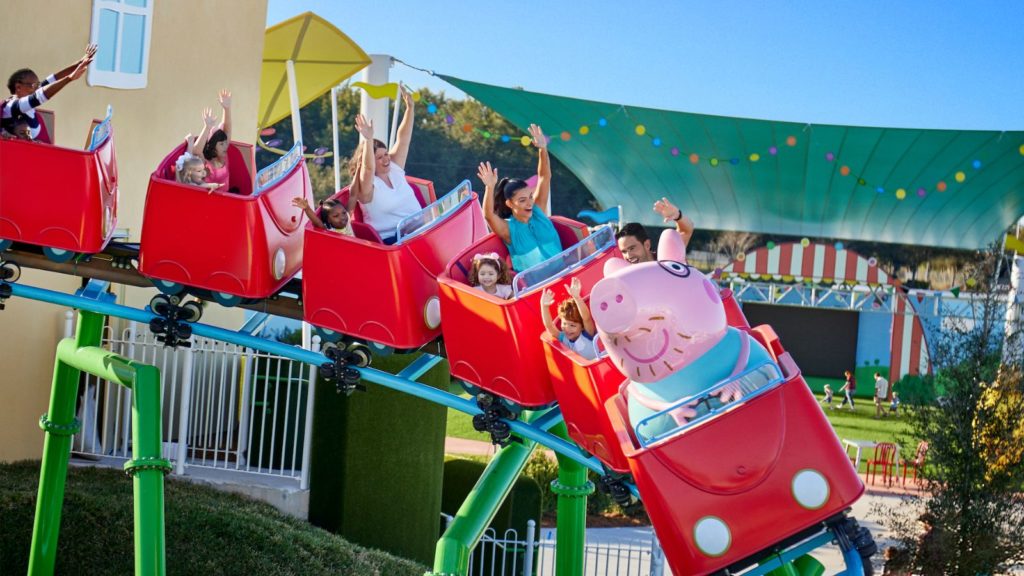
[(671, 247), (613, 264)]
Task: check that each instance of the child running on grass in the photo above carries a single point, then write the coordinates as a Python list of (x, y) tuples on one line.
[(827, 400)]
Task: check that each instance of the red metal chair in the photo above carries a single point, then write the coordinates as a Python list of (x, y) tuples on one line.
[(917, 463), (885, 459)]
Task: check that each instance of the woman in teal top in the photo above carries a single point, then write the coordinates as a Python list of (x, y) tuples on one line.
[(516, 214)]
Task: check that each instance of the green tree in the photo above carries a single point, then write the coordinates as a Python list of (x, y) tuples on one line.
[(974, 475), (442, 152)]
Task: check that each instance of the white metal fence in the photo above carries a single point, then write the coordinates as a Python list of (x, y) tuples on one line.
[(511, 555), (225, 407)]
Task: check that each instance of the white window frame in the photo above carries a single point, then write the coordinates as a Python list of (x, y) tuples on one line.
[(117, 79)]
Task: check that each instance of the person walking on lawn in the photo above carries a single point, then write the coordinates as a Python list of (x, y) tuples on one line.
[(848, 390), (881, 395)]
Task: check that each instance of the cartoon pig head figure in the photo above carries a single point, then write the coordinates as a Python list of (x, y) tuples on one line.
[(657, 317)]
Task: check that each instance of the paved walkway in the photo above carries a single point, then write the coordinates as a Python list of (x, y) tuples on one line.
[(475, 447)]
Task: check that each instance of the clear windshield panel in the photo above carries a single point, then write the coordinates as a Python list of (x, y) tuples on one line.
[(279, 169), (717, 399), (431, 214), (569, 260), (101, 131)]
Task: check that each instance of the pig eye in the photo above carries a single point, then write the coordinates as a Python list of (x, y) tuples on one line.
[(675, 268)]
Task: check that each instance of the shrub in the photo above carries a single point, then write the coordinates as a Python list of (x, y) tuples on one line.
[(207, 531)]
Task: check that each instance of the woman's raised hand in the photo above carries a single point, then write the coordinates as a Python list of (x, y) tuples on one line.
[(364, 127), (547, 298), (224, 98), (406, 96), (90, 51), (539, 140), (208, 118), (487, 175), (574, 288)]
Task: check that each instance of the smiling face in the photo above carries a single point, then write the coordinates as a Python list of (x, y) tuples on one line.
[(521, 203), (381, 161), (657, 317), (487, 275), (634, 251), (195, 171), (572, 330), (338, 217)]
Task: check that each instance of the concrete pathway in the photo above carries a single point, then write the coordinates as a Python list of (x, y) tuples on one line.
[(615, 549)]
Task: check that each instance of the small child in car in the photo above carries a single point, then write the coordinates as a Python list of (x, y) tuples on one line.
[(335, 215), (489, 273), (578, 328)]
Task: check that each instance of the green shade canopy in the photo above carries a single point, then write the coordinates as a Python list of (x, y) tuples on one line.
[(949, 188)]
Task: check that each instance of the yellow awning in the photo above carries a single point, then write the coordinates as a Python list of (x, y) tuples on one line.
[(1014, 243), (323, 57)]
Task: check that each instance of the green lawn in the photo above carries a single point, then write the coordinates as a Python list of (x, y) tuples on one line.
[(859, 424), (460, 425)]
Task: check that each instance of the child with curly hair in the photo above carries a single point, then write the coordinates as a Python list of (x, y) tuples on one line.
[(332, 215), (489, 273), (578, 328)]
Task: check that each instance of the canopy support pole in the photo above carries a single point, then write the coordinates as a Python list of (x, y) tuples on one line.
[(376, 110), (293, 98), (293, 101), (334, 132)]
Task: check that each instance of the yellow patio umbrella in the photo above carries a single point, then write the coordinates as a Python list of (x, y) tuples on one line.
[(303, 57)]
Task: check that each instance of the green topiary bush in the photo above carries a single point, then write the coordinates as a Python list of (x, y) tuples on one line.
[(522, 504)]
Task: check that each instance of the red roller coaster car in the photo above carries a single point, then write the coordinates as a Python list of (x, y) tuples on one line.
[(742, 477), (388, 294), (62, 199), (243, 245), (583, 387), (495, 344)]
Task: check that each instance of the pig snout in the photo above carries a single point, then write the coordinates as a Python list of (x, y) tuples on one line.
[(612, 305)]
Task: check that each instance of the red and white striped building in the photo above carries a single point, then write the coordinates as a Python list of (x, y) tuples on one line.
[(822, 263)]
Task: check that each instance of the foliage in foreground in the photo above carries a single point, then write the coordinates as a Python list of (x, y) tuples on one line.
[(969, 520), (208, 531)]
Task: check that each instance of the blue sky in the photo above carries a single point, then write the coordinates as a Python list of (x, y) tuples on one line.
[(939, 64)]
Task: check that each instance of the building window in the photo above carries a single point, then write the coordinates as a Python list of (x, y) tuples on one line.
[(122, 28)]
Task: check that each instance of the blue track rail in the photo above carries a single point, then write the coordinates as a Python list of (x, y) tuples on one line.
[(403, 382)]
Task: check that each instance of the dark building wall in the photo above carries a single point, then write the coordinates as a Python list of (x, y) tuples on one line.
[(822, 341)]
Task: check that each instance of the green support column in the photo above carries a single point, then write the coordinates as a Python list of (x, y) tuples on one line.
[(82, 354), (147, 469), (60, 424), (572, 488), (451, 557)]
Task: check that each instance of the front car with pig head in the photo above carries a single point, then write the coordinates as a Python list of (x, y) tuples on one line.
[(664, 327)]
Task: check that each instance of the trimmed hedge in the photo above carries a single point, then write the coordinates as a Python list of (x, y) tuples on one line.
[(377, 463), (522, 504), (208, 531)]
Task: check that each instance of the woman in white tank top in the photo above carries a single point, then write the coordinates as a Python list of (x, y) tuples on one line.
[(379, 183)]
